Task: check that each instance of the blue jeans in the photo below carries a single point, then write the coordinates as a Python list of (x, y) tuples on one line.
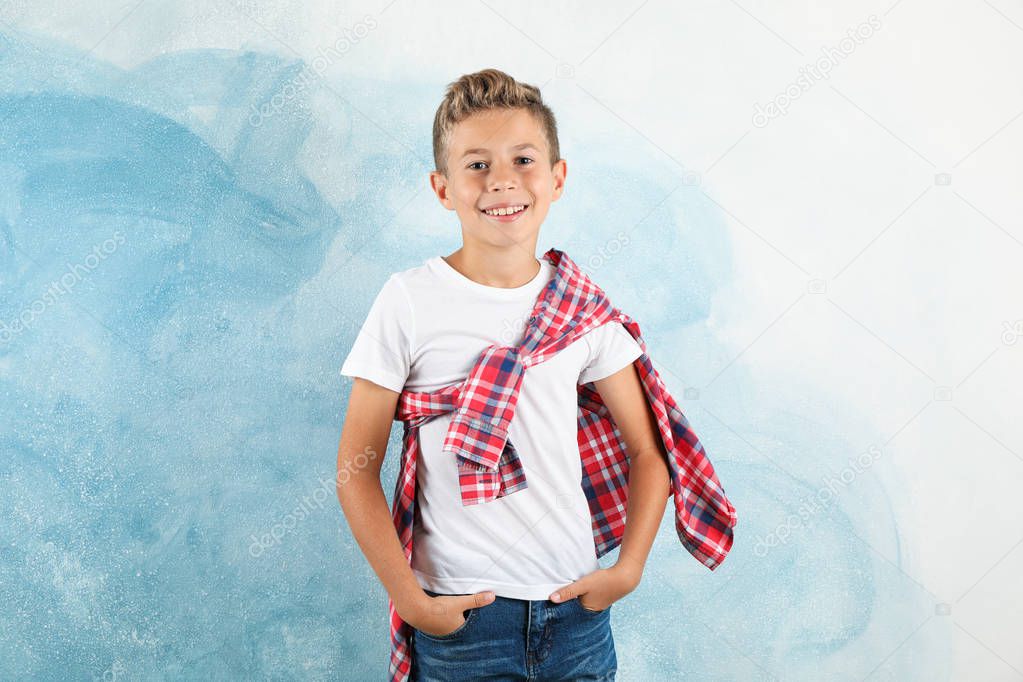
[(519, 639)]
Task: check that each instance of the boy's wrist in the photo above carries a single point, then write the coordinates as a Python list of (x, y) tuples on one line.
[(630, 569), (411, 602)]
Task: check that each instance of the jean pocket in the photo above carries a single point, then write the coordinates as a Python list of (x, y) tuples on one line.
[(593, 612), (470, 614)]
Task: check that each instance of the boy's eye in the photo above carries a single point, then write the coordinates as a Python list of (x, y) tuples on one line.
[(472, 166)]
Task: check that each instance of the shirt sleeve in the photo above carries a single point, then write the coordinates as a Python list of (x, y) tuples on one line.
[(611, 347), (382, 351)]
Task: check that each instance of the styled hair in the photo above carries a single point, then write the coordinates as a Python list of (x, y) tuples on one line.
[(482, 91)]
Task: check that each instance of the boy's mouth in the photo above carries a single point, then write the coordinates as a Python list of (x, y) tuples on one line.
[(505, 214)]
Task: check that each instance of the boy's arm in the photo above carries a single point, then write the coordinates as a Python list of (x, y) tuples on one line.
[(366, 430), (367, 427), (648, 492), (649, 480)]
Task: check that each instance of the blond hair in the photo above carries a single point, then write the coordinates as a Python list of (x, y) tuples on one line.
[(482, 91)]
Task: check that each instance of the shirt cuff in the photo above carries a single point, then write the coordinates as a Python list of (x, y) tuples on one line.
[(606, 369), (376, 375)]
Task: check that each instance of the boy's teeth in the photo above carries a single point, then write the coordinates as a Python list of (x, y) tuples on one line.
[(505, 211)]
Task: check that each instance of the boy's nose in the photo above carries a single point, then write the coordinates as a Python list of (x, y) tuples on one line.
[(501, 177), (502, 183)]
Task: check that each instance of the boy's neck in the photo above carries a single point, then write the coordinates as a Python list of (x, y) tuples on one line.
[(508, 268)]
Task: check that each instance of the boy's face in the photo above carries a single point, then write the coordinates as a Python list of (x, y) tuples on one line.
[(498, 158)]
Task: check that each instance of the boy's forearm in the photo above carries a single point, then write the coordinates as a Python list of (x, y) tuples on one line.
[(365, 508), (648, 491)]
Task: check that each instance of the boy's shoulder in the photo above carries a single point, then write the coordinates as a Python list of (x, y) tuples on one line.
[(408, 280), (422, 272), (423, 284)]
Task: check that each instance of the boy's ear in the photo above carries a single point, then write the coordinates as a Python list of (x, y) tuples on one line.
[(560, 170), (439, 183)]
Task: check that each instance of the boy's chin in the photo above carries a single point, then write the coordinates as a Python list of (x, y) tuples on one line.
[(504, 235)]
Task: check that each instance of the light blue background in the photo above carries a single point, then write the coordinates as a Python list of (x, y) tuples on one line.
[(189, 242)]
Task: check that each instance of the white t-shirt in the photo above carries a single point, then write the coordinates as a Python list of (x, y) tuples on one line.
[(426, 328)]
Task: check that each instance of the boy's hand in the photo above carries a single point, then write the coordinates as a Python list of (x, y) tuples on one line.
[(601, 588), (443, 614)]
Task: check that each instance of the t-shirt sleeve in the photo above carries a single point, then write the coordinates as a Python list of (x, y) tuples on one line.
[(611, 347), (382, 351)]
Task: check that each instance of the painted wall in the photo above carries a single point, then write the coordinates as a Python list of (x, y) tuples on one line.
[(812, 212)]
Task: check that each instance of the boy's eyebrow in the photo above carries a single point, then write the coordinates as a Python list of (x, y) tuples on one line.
[(482, 150)]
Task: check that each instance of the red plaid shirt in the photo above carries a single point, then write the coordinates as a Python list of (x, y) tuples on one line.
[(488, 466)]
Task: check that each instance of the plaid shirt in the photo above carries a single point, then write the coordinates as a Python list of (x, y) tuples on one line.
[(488, 466)]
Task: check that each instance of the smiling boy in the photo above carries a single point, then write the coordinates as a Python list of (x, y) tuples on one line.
[(531, 427)]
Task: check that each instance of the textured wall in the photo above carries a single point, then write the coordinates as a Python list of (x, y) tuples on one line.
[(812, 213)]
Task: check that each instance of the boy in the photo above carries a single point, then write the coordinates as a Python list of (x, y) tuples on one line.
[(509, 516)]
